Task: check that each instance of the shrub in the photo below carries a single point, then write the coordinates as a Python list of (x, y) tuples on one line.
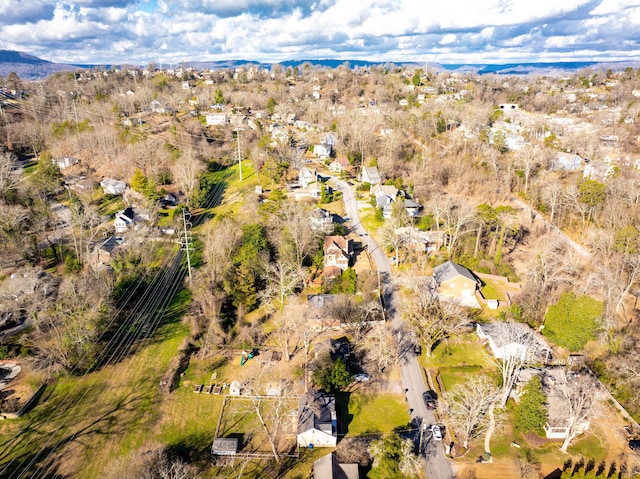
[(572, 321), (531, 413)]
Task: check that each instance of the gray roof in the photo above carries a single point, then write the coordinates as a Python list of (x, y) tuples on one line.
[(449, 270), (317, 411), (111, 243), (328, 467), (225, 446)]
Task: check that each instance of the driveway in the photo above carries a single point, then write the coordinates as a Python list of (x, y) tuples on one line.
[(437, 464)]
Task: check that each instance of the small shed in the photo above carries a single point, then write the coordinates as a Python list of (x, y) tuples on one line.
[(225, 446), (235, 388)]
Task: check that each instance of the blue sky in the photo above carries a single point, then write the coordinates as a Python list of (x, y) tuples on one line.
[(445, 31)]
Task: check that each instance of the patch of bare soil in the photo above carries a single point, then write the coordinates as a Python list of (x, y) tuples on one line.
[(17, 392), (502, 469)]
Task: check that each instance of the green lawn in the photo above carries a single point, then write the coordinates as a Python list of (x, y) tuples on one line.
[(379, 413), (455, 360), (491, 289)]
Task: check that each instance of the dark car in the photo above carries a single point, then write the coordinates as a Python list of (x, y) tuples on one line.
[(430, 399), (634, 445)]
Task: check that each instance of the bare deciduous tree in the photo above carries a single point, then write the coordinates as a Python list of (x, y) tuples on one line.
[(519, 348), (298, 239), (8, 182), (272, 411), (576, 398), (379, 347), (186, 172), (467, 406), (433, 320), (283, 279)]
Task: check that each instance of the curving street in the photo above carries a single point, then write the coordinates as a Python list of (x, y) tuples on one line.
[(437, 464)]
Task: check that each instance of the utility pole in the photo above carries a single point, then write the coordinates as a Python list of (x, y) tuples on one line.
[(75, 111), (186, 239), (423, 427), (238, 130)]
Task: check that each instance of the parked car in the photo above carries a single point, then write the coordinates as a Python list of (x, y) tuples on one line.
[(634, 445), (361, 378), (436, 432), (430, 399)]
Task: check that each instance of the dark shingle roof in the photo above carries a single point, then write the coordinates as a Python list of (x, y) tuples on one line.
[(449, 270)]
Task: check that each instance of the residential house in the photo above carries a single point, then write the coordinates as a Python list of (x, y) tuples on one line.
[(169, 200), (385, 196), (103, 252), (79, 183), (124, 220), (318, 311), (339, 165), (514, 339), (455, 280), (567, 162), (553, 382), (412, 207), (113, 187), (217, 119), (317, 420), (328, 467), (338, 251), (63, 162), (370, 175), (598, 170), (322, 151), (307, 176), (321, 220), (313, 191), (421, 241), (157, 107)]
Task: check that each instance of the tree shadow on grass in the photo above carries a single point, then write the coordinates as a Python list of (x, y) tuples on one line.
[(39, 454), (342, 411)]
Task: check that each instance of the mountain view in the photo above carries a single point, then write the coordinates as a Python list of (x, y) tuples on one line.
[(319, 239)]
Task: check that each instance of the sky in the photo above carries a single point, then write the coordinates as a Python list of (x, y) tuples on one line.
[(443, 31)]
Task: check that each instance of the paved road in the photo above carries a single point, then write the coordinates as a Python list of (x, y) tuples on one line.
[(437, 464)]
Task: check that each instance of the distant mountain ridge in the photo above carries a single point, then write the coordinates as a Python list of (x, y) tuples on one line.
[(30, 67)]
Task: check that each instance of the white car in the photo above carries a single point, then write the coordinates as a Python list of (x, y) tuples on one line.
[(436, 432), (361, 378)]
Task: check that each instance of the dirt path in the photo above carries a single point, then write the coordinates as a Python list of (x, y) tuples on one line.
[(536, 217)]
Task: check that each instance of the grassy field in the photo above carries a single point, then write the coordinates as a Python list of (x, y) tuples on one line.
[(376, 413), (455, 359), (492, 289), (78, 418)]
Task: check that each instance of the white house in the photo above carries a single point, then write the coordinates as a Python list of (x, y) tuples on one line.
[(113, 187), (514, 339), (598, 170), (370, 175), (124, 220), (321, 220), (307, 176), (63, 162), (567, 162), (322, 150), (217, 119), (317, 420)]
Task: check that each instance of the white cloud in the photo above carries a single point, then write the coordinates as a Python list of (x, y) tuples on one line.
[(448, 38), (128, 31)]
